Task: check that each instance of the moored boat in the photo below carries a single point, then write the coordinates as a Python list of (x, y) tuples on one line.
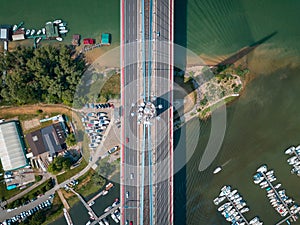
[(27, 32), (32, 32), (44, 30), (15, 27), (59, 39), (63, 31), (290, 150), (39, 32), (217, 170), (57, 21), (262, 169), (38, 40)]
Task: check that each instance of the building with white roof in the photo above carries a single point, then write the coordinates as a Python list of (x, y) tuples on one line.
[(12, 150)]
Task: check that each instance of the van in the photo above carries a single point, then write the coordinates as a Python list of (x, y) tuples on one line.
[(127, 194)]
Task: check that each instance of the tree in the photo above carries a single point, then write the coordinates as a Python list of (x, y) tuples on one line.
[(71, 140)]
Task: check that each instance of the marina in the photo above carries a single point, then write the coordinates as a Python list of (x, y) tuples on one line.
[(235, 207), (52, 31), (284, 205), (294, 161)]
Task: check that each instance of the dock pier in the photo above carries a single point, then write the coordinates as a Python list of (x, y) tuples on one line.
[(241, 214), (90, 210), (67, 217), (277, 194), (95, 197), (105, 214)]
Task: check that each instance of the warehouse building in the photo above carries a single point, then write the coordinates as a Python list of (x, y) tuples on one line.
[(12, 148)]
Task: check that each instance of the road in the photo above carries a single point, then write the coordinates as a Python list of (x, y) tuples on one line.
[(146, 153), (131, 68)]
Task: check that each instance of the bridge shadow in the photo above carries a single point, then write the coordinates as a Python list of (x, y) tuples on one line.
[(240, 54), (180, 57)]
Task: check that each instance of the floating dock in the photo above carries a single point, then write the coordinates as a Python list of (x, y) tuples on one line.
[(278, 199), (294, 161), (235, 207)]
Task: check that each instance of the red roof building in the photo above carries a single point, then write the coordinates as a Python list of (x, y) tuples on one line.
[(88, 41)]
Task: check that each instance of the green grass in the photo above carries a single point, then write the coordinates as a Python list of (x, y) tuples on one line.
[(62, 177), (90, 186), (55, 211)]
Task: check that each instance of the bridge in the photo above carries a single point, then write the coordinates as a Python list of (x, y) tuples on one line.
[(147, 111)]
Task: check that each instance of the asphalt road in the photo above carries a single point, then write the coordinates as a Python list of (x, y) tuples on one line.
[(163, 128), (130, 205)]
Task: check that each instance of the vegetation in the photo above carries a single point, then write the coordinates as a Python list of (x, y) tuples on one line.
[(71, 140), (4, 193), (106, 168), (38, 178), (40, 216), (111, 89), (90, 183), (46, 186), (59, 163), (47, 74), (70, 173)]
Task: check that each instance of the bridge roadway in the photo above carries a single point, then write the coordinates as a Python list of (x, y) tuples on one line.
[(147, 35)]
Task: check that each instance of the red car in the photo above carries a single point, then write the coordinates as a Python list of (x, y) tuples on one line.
[(131, 223), (127, 140)]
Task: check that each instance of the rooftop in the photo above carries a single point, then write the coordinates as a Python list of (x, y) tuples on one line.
[(12, 151)]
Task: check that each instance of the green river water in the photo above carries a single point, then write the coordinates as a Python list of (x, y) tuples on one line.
[(261, 124)]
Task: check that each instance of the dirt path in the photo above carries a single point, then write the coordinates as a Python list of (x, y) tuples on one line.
[(32, 109)]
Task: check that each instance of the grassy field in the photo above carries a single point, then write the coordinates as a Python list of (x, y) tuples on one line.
[(62, 177), (90, 183), (55, 211)]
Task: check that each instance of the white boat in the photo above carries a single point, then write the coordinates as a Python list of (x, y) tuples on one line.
[(258, 180), (63, 31), (44, 30), (38, 40), (15, 27), (217, 170), (49, 22), (222, 207), (244, 210), (62, 28), (27, 32), (59, 39), (104, 192), (32, 32), (292, 160), (39, 32), (91, 203), (107, 209), (262, 169), (57, 21), (290, 150)]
